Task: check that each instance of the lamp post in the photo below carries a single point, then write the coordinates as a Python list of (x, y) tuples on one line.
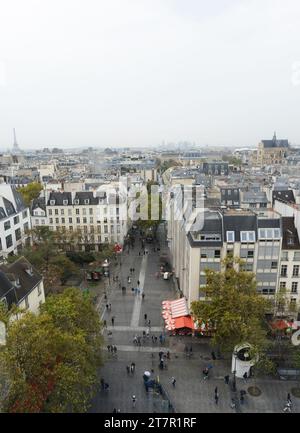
[(235, 354)]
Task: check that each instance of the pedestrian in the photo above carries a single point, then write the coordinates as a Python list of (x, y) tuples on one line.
[(185, 348), (113, 320), (115, 349), (213, 355), (105, 297), (245, 376), (127, 369), (133, 270), (216, 398), (109, 307), (168, 355), (155, 339), (106, 387), (216, 390), (288, 407), (160, 338), (147, 333), (191, 351), (138, 282), (205, 373), (289, 397), (133, 367), (149, 323), (232, 404), (133, 398), (242, 398), (104, 324), (108, 347), (102, 383), (226, 379), (173, 381), (143, 295), (114, 410)]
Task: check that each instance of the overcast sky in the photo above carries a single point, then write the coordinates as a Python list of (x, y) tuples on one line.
[(137, 72)]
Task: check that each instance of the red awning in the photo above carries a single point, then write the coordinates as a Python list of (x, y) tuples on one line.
[(184, 322)]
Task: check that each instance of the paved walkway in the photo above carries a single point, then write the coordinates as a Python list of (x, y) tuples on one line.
[(192, 393)]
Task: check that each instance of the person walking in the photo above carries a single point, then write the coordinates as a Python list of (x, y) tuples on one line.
[(138, 282), (216, 398), (128, 369), (245, 376), (288, 407), (143, 296), (168, 355), (104, 324), (173, 381), (102, 383), (113, 320), (108, 347), (109, 306), (232, 404), (191, 351), (213, 355), (145, 317), (289, 397), (226, 379), (133, 399), (205, 373), (216, 390), (149, 323)]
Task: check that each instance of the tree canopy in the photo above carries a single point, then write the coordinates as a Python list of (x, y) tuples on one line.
[(233, 307), (51, 359), (30, 192)]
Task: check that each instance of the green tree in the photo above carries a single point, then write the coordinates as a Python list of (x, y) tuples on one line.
[(52, 359), (30, 192), (233, 308)]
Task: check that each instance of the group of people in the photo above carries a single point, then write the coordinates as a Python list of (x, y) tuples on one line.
[(162, 359), (112, 348), (130, 368)]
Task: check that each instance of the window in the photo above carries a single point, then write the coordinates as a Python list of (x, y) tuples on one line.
[(274, 265), (7, 225), (84, 211), (56, 211), (85, 229), (65, 202), (70, 220), (26, 227), (297, 256), (217, 254), (18, 234), (63, 220), (296, 271), (203, 256), (248, 236), (269, 234), (84, 220), (91, 220), (16, 220), (282, 285), (91, 211), (52, 202), (9, 241), (294, 287), (283, 270), (105, 229), (50, 211), (210, 237), (56, 220), (230, 236), (76, 201), (37, 222), (62, 211), (70, 212), (77, 211), (78, 220), (285, 256), (250, 254), (51, 220), (24, 214)]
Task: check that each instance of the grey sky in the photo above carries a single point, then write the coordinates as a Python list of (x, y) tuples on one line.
[(136, 72)]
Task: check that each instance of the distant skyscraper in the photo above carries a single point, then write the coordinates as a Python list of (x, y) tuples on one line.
[(16, 148)]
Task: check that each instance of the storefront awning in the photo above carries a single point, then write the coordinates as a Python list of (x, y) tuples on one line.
[(184, 322)]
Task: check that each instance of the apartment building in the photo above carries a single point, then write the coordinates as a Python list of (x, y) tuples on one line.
[(99, 216), (14, 222), (220, 233), (21, 285)]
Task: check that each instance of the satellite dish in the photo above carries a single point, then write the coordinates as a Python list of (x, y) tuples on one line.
[(2, 334)]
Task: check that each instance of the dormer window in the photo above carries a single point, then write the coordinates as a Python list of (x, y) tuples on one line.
[(65, 202), (52, 202), (230, 236), (76, 201), (86, 201)]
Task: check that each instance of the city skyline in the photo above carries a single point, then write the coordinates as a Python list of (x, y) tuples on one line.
[(127, 74)]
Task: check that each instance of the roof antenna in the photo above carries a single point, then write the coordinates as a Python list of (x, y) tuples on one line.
[(274, 136)]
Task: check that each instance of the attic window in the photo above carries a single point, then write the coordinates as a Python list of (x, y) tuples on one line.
[(52, 202), (76, 201), (65, 202), (86, 201), (29, 271), (290, 241)]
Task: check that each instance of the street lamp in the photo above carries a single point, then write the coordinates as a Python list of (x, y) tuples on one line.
[(235, 354)]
